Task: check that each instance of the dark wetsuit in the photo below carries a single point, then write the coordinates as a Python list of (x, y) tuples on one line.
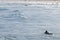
[(46, 32)]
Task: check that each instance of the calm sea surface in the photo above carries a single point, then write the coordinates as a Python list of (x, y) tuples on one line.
[(29, 22)]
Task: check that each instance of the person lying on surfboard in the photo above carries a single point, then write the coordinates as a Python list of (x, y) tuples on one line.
[(46, 32)]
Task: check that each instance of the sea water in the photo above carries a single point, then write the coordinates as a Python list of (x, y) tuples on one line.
[(29, 21)]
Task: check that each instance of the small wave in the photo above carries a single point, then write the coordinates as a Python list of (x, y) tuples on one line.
[(15, 15), (3, 9)]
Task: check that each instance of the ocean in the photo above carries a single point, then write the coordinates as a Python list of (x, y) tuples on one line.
[(29, 21)]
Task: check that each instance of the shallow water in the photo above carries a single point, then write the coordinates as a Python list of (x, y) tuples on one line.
[(28, 22)]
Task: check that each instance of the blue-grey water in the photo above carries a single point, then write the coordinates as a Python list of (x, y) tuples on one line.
[(29, 22)]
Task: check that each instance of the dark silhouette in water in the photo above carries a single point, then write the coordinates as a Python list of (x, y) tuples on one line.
[(46, 32), (26, 5)]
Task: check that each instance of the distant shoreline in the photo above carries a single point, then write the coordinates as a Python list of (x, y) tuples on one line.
[(32, 2)]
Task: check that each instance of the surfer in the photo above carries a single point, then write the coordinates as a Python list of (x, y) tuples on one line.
[(46, 32)]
